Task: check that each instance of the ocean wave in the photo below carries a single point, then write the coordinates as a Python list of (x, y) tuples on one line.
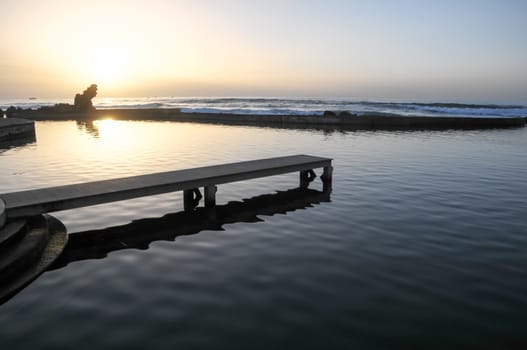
[(480, 111), (130, 105), (468, 106), (289, 106), (250, 111)]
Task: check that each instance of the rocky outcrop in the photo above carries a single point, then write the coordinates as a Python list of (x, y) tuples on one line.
[(82, 104), (58, 108), (11, 111), (83, 101), (329, 114)]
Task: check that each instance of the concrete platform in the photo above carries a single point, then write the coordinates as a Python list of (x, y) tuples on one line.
[(370, 120), (11, 232), (34, 254), (12, 128), (24, 252)]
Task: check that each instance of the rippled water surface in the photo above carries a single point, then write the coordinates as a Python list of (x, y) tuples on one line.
[(423, 243)]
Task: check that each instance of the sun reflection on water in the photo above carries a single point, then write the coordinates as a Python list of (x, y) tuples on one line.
[(107, 128), (89, 150)]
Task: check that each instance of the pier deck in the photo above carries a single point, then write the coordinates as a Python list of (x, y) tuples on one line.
[(40, 201)]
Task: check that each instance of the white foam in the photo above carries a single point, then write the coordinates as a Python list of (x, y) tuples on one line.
[(286, 106)]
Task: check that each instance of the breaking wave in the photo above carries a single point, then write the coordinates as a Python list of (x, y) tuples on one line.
[(289, 106)]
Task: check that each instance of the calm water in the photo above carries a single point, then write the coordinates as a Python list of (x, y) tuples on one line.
[(423, 244)]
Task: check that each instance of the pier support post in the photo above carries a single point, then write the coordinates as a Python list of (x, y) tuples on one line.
[(306, 177), (327, 179), (2, 213), (191, 199), (210, 196)]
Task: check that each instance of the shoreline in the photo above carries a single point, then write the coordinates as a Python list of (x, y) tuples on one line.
[(372, 120)]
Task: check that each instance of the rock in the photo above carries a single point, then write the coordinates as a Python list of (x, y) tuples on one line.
[(58, 108), (345, 114), (329, 114), (83, 102), (10, 111), (64, 107)]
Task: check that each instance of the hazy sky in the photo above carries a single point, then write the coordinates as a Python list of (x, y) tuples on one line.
[(473, 51)]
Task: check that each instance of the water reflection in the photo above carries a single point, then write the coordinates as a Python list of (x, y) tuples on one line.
[(96, 244), (88, 126)]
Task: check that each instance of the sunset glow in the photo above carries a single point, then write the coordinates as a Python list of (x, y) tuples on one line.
[(390, 49), (107, 68)]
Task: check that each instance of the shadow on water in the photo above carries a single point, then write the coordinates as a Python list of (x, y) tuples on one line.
[(96, 244), (6, 145)]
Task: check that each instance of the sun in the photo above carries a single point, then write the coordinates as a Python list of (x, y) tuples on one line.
[(108, 67)]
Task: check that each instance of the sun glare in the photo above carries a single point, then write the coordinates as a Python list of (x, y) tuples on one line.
[(108, 68), (108, 128)]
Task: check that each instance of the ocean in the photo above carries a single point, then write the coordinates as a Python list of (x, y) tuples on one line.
[(294, 106), (421, 244)]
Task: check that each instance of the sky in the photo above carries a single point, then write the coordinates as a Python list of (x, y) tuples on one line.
[(460, 51)]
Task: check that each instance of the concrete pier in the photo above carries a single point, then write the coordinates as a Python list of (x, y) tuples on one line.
[(369, 120), (41, 201), (30, 239), (28, 247)]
